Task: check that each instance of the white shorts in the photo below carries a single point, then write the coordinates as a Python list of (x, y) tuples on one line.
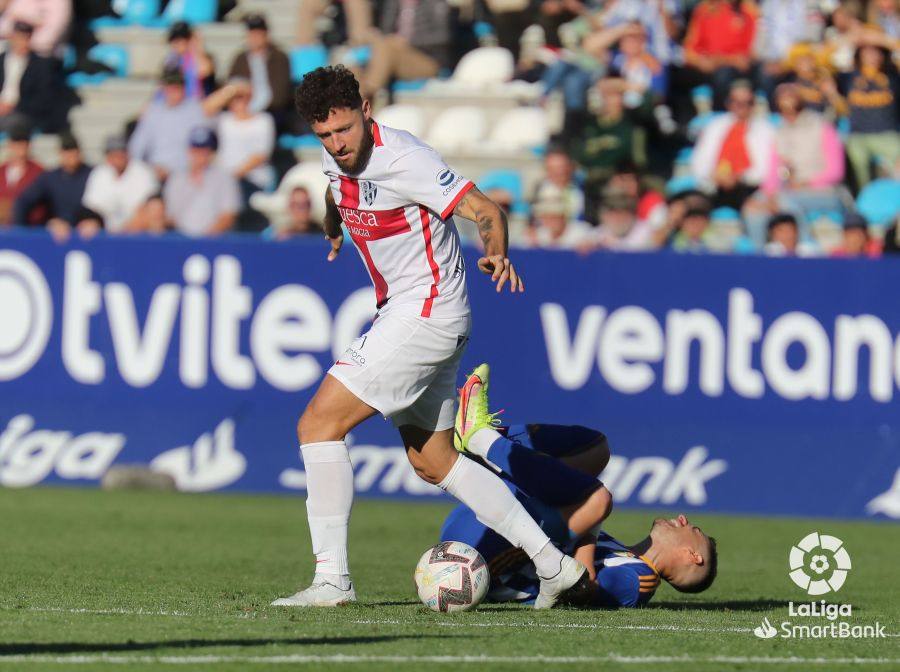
[(405, 366)]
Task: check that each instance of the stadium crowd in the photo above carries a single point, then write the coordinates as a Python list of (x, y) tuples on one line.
[(714, 125)]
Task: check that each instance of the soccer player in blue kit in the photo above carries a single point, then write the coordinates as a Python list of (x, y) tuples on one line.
[(553, 470)]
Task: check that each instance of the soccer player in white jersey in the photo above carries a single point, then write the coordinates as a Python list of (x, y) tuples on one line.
[(397, 198)]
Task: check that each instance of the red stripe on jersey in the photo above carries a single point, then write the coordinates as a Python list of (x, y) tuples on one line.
[(376, 133), (349, 192), (450, 208), (381, 286), (374, 224), (435, 272)]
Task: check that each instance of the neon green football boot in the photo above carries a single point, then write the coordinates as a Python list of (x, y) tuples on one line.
[(473, 413)]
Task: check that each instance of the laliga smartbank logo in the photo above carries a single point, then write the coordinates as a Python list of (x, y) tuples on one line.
[(819, 564)]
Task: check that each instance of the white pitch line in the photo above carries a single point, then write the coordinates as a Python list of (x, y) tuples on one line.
[(454, 660), (442, 624), (105, 612), (555, 626)]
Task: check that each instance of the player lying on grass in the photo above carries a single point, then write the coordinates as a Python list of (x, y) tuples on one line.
[(397, 200), (553, 470)]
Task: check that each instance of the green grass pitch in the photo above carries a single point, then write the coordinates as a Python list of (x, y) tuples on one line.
[(94, 580)]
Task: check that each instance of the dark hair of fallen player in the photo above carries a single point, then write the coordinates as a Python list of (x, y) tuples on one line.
[(326, 89)]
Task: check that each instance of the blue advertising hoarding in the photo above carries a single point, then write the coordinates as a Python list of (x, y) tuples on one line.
[(724, 383)]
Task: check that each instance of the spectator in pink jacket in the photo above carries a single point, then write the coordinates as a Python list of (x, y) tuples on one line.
[(805, 168), (51, 19)]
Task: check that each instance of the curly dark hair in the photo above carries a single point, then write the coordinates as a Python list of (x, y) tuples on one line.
[(326, 89)]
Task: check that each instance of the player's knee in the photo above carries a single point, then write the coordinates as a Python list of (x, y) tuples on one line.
[(429, 470), (313, 427)]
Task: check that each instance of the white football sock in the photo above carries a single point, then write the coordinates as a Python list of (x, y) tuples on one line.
[(497, 507), (329, 498), (481, 443)]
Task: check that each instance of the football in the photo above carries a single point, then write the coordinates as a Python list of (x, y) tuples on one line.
[(452, 576)]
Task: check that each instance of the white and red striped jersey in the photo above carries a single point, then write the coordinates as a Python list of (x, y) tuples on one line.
[(399, 212)]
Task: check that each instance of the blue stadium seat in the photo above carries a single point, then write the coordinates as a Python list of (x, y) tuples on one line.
[(306, 59), (69, 58), (114, 56), (879, 202), (681, 184), (508, 180), (78, 80), (191, 11), (136, 12), (408, 85), (361, 55), (292, 142), (725, 215), (483, 29)]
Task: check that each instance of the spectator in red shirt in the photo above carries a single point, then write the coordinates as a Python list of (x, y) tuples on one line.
[(17, 172), (856, 241), (719, 44)]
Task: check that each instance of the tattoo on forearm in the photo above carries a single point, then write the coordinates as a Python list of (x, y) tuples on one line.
[(489, 220)]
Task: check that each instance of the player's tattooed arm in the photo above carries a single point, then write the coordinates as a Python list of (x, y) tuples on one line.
[(493, 230), (332, 225), (488, 217)]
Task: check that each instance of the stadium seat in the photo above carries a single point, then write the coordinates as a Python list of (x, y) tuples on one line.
[(724, 216), (520, 128), (113, 56), (306, 59), (292, 142), (404, 85), (879, 201), (79, 80), (509, 180), (681, 184), (191, 11), (405, 117), (456, 128), (274, 205), (131, 13), (484, 66)]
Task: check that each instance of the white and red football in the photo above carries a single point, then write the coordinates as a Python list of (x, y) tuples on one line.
[(452, 576)]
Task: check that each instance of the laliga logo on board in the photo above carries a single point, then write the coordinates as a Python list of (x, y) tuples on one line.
[(27, 309), (819, 563)]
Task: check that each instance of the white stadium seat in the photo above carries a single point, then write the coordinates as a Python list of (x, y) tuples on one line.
[(520, 128), (308, 175), (404, 117), (485, 65), (458, 128)]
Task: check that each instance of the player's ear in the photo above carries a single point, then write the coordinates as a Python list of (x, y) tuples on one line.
[(694, 557), (366, 109)]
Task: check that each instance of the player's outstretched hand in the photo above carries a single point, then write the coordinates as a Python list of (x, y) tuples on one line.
[(336, 243), (500, 269)]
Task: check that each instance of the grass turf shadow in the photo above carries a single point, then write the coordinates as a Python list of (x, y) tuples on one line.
[(113, 647)]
